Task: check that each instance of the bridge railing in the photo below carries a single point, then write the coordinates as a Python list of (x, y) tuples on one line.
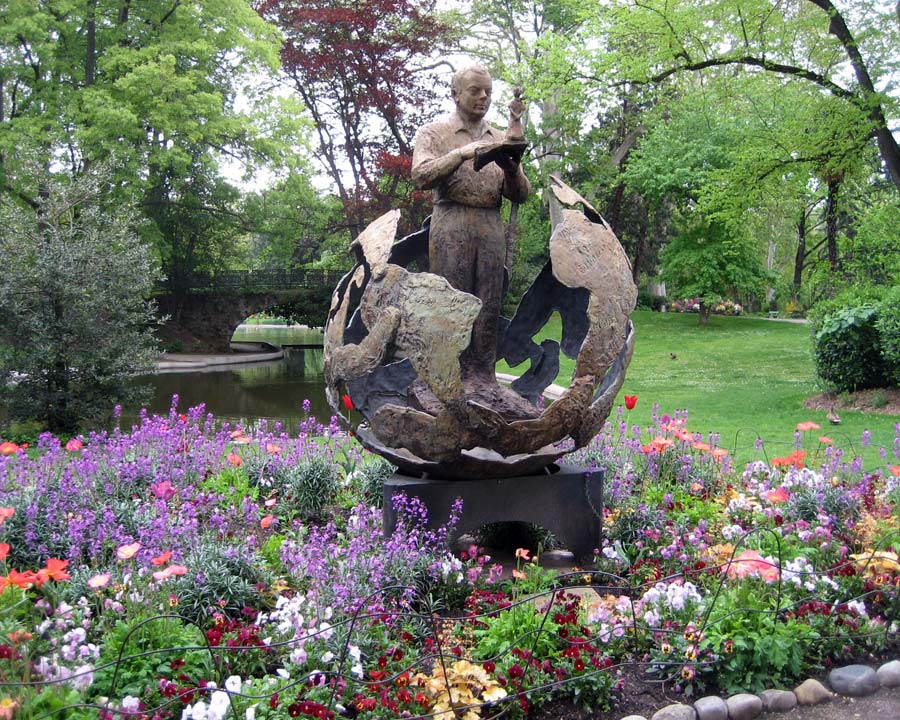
[(253, 280)]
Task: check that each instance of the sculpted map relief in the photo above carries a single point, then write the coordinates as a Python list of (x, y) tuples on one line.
[(416, 351)]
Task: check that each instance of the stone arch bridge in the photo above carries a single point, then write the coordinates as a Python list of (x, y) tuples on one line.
[(201, 313)]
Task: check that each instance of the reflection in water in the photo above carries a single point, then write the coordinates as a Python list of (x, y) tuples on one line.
[(246, 393)]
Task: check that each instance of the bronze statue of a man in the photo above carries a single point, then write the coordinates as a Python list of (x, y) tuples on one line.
[(467, 244)]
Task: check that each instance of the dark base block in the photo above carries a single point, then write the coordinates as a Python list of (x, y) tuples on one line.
[(567, 502)]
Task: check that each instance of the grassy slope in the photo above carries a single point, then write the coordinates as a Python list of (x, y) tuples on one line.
[(740, 377)]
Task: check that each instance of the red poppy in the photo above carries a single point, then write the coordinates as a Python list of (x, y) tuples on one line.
[(23, 580), (74, 445), (55, 569), (630, 402), (348, 403)]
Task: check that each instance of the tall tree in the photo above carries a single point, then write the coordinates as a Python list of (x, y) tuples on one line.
[(365, 71), (151, 86), (73, 296), (847, 51)]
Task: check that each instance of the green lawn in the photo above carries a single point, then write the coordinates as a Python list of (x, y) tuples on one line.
[(740, 377)]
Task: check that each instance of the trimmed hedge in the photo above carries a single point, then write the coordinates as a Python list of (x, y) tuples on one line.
[(888, 326)]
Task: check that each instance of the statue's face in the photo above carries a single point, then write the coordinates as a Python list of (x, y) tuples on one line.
[(473, 98)]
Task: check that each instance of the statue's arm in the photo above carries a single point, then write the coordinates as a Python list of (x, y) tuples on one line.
[(516, 185), (430, 167)]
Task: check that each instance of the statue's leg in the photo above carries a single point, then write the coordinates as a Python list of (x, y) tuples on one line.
[(450, 253), (487, 236)]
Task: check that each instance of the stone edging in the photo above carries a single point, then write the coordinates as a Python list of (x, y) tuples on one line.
[(848, 681)]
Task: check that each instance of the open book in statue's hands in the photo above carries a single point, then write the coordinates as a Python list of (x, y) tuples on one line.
[(506, 153)]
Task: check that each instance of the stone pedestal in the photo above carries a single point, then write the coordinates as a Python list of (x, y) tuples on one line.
[(568, 502)]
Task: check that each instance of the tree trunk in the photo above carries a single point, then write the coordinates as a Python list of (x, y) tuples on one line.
[(90, 60), (800, 257), (831, 222), (704, 313)]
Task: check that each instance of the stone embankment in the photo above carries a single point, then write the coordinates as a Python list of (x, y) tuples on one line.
[(857, 685)]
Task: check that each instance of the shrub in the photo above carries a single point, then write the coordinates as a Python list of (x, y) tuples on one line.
[(306, 487), (222, 580), (369, 477), (848, 351), (888, 326), (849, 297), (646, 301)]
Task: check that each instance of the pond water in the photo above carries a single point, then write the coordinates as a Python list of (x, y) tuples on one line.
[(245, 394)]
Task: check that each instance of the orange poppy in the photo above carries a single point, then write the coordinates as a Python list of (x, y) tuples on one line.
[(807, 425), (4, 550), (778, 496), (825, 440), (74, 445), (267, 521), (235, 459), (8, 448), (162, 559), (660, 444)]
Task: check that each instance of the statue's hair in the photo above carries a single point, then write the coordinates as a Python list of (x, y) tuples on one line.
[(459, 76)]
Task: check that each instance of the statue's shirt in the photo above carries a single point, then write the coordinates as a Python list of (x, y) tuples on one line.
[(451, 183)]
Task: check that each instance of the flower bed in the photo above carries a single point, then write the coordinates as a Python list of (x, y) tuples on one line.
[(177, 570), (721, 307)]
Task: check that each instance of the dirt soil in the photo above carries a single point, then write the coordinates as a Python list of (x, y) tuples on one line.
[(885, 401)]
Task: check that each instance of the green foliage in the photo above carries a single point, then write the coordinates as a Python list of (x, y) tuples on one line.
[(888, 326), (146, 647), (710, 260), (848, 352), (853, 296), (73, 295), (758, 648), (308, 307), (869, 255), (221, 581), (519, 626)]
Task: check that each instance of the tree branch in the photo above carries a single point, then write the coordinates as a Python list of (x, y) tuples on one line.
[(752, 61)]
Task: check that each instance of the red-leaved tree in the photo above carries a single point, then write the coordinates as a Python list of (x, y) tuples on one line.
[(365, 69)]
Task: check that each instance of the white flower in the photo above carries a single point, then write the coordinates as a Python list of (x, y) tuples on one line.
[(195, 712), (328, 657), (233, 684), (250, 713), (218, 706), (130, 703), (282, 673)]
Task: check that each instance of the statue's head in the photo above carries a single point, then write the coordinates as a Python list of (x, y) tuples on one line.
[(471, 91)]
